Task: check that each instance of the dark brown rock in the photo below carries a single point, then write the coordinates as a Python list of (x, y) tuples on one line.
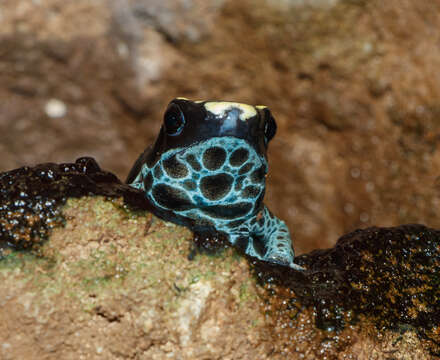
[(31, 198), (387, 277)]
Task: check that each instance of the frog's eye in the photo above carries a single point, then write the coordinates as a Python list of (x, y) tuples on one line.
[(174, 120), (270, 127)]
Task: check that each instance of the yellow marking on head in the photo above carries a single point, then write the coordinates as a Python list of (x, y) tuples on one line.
[(261, 107), (219, 108), (186, 99)]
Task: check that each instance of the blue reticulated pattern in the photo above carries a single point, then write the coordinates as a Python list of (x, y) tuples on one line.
[(219, 184)]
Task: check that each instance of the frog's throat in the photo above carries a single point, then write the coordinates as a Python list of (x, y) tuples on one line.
[(218, 180)]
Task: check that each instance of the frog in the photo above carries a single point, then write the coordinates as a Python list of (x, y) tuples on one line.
[(207, 171)]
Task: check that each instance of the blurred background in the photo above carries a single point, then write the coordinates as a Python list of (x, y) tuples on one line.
[(354, 86)]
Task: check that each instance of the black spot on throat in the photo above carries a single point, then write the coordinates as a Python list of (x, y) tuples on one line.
[(239, 156), (250, 192), (214, 158), (175, 168), (258, 175), (191, 159), (171, 198), (217, 186), (245, 168), (228, 211)]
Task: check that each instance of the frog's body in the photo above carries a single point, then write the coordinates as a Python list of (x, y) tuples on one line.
[(207, 170)]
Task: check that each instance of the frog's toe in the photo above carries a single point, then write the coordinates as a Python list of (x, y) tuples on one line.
[(296, 267), (283, 259), (278, 258)]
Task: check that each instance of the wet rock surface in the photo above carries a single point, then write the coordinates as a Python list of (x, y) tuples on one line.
[(31, 198), (387, 277)]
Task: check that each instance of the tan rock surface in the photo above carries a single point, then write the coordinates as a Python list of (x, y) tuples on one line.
[(116, 285)]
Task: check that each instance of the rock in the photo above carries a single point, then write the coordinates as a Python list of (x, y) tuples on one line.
[(112, 280), (101, 287), (384, 279), (55, 108), (31, 198)]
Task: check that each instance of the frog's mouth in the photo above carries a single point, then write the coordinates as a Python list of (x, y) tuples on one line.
[(220, 178)]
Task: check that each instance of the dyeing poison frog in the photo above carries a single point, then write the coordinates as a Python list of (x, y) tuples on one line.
[(207, 171)]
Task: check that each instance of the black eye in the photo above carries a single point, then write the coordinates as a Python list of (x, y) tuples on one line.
[(174, 120), (270, 126)]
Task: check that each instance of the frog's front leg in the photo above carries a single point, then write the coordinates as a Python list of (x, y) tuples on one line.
[(268, 239)]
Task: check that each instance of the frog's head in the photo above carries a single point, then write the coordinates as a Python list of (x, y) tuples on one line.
[(190, 122), (208, 163)]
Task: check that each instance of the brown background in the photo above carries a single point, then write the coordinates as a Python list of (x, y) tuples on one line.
[(353, 84)]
